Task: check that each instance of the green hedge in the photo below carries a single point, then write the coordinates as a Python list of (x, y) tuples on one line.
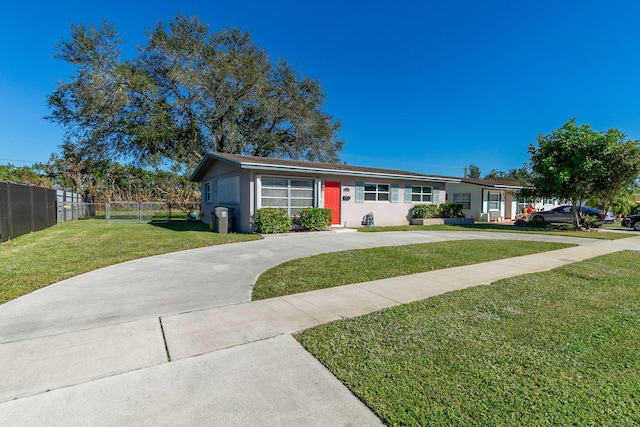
[(272, 220), (451, 210), (445, 210), (315, 219), (425, 211)]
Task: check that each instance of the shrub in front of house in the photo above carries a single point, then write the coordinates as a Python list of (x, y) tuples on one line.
[(272, 220), (314, 219), (451, 210), (538, 224), (424, 211)]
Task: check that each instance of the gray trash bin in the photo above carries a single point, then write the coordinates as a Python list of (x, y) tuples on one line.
[(221, 220)]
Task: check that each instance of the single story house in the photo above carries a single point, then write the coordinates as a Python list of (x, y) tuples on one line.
[(487, 200), (246, 184)]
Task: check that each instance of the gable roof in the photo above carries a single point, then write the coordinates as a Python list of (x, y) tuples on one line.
[(292, 166), (286, 165)]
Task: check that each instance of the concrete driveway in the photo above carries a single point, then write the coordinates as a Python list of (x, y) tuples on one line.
[(173, 339)]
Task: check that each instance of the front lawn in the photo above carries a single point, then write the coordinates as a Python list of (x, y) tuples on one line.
[(546, 349), (38, 259), (363, 265)]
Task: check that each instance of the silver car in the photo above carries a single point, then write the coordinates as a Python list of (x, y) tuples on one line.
[(563, 214)]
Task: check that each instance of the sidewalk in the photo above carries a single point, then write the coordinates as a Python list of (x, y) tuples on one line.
[(231, 364)]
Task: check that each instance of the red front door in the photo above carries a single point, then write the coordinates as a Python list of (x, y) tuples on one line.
[(332, 200)]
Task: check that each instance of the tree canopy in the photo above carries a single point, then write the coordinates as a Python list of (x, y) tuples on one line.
[(187, 92), (107, 181), (472, 171), (23, 175), (575, 162), (520, 175)]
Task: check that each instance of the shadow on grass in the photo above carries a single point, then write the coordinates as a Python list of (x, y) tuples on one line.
[(187, 225), (182, 225), (502, 227), (477, 226)]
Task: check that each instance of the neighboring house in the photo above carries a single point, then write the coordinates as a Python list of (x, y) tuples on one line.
[(250, 183), (486, 200)]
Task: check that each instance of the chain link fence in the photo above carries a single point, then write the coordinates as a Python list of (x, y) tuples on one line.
[(134, 212), (118, 212)]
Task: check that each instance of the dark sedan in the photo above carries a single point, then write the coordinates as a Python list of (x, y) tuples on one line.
[(632, 221), (563, 214)]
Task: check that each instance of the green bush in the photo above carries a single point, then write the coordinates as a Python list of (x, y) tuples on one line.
[(424, 211), (314, 219), (538, 224), (272, 220), (589, 221), (451, 210)]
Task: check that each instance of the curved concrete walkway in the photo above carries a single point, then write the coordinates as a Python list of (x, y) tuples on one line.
[(174, 339)]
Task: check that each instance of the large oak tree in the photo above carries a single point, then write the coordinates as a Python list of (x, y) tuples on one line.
[(185, 93)]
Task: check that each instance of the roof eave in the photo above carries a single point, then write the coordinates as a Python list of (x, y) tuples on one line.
[(199, 172), (282, 168)]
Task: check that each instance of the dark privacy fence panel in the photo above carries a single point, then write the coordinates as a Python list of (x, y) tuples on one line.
[(24, 209)]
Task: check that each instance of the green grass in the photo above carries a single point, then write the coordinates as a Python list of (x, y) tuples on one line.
[(547, 349), (38, 259), (616, 224), (362, 265), (503, 228)]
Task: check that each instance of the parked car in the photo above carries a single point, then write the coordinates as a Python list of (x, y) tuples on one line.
[(632, 221), (610, 218), (563, 214)]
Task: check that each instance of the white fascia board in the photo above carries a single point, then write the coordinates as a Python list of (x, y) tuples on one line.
[(509, 187)]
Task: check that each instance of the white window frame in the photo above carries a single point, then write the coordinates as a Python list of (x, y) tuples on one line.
[(379, 193), (498, 203), (457, 198), (260, 186), (421, 194)]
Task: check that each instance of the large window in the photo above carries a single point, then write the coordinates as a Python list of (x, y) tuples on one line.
[(421, 193), (462, 198), (290, 194), (376, 192)]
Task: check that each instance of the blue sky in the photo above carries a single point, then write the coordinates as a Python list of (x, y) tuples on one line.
[(426, 86)]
